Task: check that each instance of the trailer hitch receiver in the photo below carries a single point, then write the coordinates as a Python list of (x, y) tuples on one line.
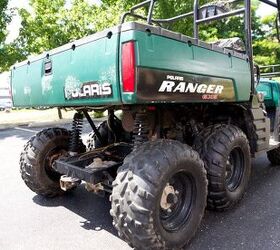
[(67, 182)]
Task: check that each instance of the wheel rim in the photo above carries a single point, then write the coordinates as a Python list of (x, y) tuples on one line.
[(234, 169), (177, 202), (50, 157)]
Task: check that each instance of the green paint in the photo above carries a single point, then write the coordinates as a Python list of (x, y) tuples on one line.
[(99, 61), (95, 61), (162, 53), (271, 91)]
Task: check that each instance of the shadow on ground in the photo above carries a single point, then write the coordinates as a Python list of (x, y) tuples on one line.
[(254, 222), (246, 226), (95, 210)]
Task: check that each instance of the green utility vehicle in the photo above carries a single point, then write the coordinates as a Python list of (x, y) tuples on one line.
[(269, 86), (271, 92), (191, 121), (269, 89)]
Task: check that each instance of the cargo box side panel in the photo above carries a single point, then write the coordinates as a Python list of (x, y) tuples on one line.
[(175, 71), (84, 74)]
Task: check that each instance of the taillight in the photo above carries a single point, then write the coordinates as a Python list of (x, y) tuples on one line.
[(128, 67)]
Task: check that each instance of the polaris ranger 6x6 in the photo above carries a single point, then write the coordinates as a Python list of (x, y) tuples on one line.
[(191, 122)]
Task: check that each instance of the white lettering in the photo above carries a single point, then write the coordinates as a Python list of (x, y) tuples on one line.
[(191, 87), (166, 86), (175, 78), (106, 89), (180, 87), (210, 89), (219, 89), (201, 89), (86, 90), (92, 89), (95, 89), (75, 94)]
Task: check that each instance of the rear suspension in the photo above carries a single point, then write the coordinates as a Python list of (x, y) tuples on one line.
[(75, 140), (141, 129)]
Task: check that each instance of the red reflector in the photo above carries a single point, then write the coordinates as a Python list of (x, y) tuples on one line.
[(128, 67), (151, 108)]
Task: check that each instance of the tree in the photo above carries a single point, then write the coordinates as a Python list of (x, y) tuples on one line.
[(5, 18), (167, 9), (52, 24), (267, 48)]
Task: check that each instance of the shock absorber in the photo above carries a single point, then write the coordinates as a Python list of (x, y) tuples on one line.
[(141, 129), (75, 140)]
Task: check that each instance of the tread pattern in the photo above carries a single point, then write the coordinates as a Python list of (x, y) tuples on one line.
[(31, 160), (213, 144), (137, 185), (274, 156)]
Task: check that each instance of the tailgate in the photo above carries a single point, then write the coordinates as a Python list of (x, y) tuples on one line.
[(80, 73)]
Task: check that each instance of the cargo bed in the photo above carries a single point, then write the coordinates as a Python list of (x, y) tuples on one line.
[(88, 72)]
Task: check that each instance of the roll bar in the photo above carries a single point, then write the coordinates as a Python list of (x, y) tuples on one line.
[(270, 3), (270, 70), (151, 4), (206, 14), (246, 11), (149, 20)]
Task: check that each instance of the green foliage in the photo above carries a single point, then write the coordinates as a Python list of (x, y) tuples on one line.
[(98, 114), (9, 54), (269, 25), (267, 52), (267, 47), (54, 23), (5, 18)]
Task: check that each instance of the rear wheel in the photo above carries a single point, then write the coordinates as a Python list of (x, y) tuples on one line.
[(37, 158), (159, 196), (227, 158)]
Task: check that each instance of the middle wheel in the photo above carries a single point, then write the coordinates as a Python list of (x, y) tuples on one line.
[(108, 136), (226, 153)]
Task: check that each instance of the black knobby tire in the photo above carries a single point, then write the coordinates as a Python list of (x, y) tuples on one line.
[(202, 138), (37, 156), (274, 156), (138, 194), (226, 154)]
